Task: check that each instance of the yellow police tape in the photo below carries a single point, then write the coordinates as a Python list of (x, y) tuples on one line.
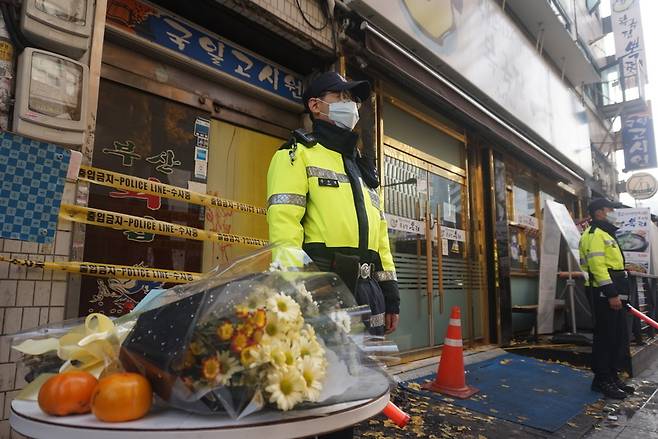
[(136, 184), (122, 221), (108, 270)]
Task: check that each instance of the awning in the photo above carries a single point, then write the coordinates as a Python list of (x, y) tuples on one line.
[(390, 56)]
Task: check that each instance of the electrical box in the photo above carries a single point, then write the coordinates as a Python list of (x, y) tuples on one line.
[(63, 26), (51, 97)]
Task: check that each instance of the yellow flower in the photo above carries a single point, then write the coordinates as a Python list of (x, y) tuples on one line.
[(284, 307), (239, 342), (225, 331), (258, 319), (246, 328), (276, 353), (313, 373), (257, 336), (291, 353), (248, 356), (275, 327), (196, 348), (242, 311), (310, 347), (286, 388), (211, 368)]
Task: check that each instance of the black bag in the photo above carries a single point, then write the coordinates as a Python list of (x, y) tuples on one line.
[(621, 280)]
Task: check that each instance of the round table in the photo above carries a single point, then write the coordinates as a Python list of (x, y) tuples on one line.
[(29, 420)]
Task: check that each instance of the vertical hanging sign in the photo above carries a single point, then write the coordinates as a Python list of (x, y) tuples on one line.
[(638, 139), (629, 42)]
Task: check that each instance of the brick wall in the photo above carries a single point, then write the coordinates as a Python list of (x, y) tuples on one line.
[(288, 14), (29, 298)]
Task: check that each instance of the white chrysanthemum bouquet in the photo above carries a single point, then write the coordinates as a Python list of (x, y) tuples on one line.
[(265, 344), (249, 337)]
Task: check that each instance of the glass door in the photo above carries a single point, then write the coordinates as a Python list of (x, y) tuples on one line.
[(426, 208), (405, 200), (456, 277)]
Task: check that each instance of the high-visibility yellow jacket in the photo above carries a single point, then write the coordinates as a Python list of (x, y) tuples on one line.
[(318, 201), (600, 253)]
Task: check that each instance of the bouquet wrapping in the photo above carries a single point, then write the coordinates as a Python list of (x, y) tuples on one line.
[(250, 336)]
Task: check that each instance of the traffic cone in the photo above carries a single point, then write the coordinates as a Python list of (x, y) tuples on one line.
[(395, 414), (450, 379)]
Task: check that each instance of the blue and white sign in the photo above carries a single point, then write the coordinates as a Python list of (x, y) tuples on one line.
[(169, 31), (639, 142)]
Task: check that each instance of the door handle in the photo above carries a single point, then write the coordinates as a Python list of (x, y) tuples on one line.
[(439, 257)]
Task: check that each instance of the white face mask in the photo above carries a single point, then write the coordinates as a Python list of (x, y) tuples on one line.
[(344, 114), (611, 217)]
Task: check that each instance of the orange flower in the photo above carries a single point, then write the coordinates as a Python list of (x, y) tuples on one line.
[(196, 348), (225, 331), (247, 329), (242, 311), (257, 336), (259, 318), (239, 342), (211, 368)]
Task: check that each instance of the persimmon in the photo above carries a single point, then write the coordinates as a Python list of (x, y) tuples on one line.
[(121, 397), (67, 393)]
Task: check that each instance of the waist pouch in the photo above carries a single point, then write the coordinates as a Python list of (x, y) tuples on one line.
[(621, 281)]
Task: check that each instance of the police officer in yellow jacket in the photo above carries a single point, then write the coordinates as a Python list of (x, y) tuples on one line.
[(603, 260), (323, 197)]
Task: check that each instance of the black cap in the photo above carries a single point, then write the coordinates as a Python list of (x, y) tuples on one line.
[(600, 203), (332, 81)]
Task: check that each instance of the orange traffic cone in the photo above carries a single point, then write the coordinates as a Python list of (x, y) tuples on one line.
[(450, 378)]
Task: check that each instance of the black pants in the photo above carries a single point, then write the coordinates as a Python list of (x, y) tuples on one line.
[(610, 351)]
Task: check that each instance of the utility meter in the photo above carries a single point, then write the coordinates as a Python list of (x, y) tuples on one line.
[(63, 26), (51, 97)]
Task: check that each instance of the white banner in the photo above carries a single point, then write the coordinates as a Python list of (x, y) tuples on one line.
[(558, 224), (407, 225), (629, 40), (402, 224), (528, 221)]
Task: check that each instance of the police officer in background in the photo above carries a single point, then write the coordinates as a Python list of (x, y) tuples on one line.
[(603, 260), (323, 198)]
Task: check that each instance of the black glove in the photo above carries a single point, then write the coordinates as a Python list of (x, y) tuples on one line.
[(347, 268), (391, 296)]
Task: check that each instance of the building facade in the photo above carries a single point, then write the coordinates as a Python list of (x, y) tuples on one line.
[(479, 115)]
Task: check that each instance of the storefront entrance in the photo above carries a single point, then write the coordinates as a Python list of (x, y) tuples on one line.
[(428, 205), (427, 215)]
